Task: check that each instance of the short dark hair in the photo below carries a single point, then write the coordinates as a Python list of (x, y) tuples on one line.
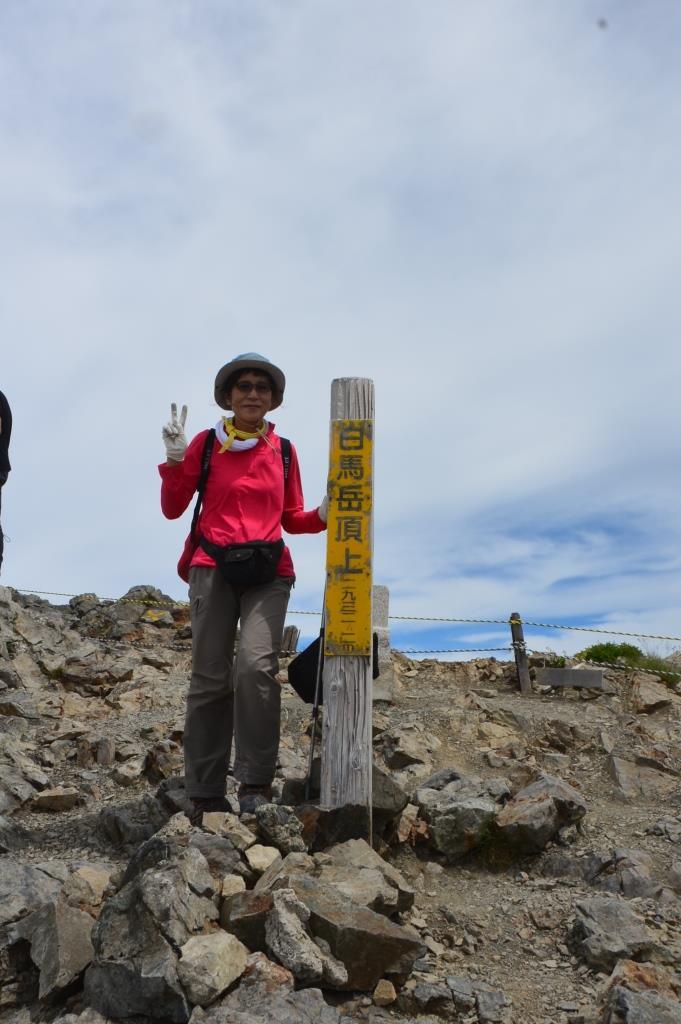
[(235, 377)]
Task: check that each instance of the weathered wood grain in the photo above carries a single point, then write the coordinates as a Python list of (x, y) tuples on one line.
[(347, 680)]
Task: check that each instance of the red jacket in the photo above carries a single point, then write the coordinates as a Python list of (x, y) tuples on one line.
[(244, 497)]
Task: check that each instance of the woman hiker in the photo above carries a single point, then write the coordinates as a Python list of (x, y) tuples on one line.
[(239, 570)]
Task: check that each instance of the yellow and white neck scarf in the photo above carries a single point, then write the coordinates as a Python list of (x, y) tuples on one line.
[(235, 440)]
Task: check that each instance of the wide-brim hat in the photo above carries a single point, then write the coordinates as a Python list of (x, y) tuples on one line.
[(250, 361)]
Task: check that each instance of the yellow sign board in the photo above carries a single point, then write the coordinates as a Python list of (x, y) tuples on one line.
[(349, 539)]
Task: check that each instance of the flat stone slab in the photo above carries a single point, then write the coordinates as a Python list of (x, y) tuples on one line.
[(580, 679)]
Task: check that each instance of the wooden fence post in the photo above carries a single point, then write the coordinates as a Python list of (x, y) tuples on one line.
[(347, 679), (520, 652)]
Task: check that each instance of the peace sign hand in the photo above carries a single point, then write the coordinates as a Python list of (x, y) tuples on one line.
[(173, 434)]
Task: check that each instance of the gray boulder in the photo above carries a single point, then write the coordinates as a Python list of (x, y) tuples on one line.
[(634, 781), (128, 824), (649, 694), (280, 827), (266, 995), (625, 1007), (245, 915), (12, 835), (23, 888), (324, 826), (10, 678), (364, 876), (441, 778), (463, 993), (388, 801), (209, 964), (606, 930), (491, 1004), (155, 851), (19, 704), (19, 977), (163, 761), (429, 997), (179, 896), (668, 828), (403, 747), (623, 871), (61, 946), (134, 972), (354, 869), (460, 812), (289, 942), (281, 870), (368, 944), (95, 673), (537, 814), (222, 856), (20, 777)]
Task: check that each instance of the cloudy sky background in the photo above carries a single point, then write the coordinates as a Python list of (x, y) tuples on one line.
[(474, 204)]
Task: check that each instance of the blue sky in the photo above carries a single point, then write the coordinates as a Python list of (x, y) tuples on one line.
[(475, 205)]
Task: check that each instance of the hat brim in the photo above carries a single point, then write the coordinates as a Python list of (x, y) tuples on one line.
[(250, 364)]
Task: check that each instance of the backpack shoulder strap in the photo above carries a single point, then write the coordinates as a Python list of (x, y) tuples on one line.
[(201, 486), (285, 456)]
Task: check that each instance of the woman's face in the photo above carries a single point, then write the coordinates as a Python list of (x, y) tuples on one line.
[(251, 398)]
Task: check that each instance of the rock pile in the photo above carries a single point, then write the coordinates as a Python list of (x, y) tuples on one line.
[(524, 864)]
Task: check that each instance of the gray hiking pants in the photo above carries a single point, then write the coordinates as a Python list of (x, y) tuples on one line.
[(224, 699)]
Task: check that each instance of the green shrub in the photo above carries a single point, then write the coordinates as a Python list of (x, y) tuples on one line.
[(630, 656), (612, 653)]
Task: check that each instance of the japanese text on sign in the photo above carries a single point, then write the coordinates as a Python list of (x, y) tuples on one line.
[(348, 544)]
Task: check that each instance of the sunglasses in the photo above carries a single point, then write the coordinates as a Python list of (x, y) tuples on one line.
[(244, 387)]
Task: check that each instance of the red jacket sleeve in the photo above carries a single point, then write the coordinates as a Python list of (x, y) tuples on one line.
[(180, 482), (294, 518)]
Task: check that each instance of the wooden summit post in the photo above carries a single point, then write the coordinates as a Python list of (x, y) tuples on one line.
[(346, 732)]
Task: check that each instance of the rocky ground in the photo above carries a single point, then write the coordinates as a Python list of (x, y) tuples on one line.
[(526, 863)]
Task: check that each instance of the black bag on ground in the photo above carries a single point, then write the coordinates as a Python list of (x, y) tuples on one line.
[(302, 671), (246, 565)]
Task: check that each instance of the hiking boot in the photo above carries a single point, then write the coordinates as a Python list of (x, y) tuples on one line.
[(252, 796), (200, 805)]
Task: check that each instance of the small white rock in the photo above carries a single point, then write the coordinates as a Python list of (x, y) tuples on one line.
[(222, 823), (209, 964), (129, 773), (260, 857), (231, 884), (384, 993)]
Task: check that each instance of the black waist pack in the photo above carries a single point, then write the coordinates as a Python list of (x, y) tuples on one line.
[(246, 565)]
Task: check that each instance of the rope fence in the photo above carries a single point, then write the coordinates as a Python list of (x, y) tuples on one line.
[(518, 647), (392, 618)]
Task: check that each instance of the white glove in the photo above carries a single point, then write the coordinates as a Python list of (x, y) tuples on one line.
[(173, 434), (323, 510)]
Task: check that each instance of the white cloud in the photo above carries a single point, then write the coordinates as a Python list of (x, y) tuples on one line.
[(472, 204)]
